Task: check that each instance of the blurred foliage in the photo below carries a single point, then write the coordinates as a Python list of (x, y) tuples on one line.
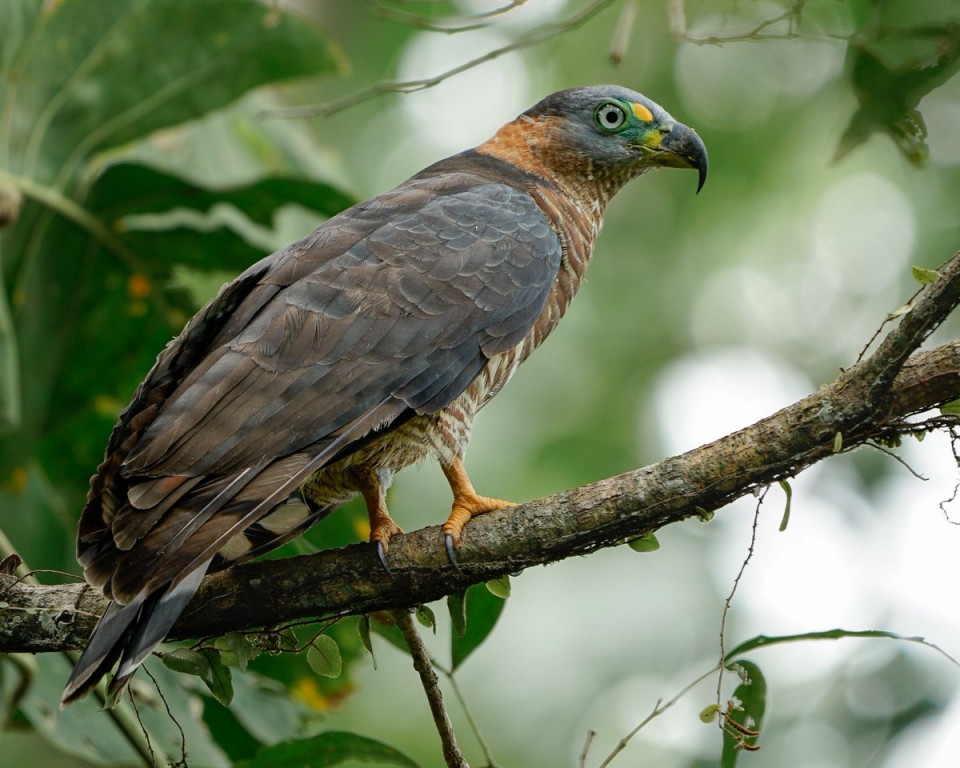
[(137, 172)]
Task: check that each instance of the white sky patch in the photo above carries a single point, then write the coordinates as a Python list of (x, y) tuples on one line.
[(865, 231), (934, 744), (468, 108), (883, 562), (529, 14), (739, 85), (920, 545), (709, 394)]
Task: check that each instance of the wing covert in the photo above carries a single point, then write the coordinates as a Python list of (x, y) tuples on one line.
[(407, 295)]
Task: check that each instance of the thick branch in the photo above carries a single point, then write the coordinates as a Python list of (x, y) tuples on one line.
[(865, 402)]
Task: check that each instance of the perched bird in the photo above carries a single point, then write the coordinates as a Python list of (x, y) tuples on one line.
[(364, 348)]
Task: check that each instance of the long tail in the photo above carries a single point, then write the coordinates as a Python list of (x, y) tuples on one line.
[(182, 527), (129, 633)]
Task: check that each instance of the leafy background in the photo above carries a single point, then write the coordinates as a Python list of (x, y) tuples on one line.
[(147, 148)]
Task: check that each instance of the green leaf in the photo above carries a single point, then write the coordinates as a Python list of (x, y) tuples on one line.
[(9, 367), (324, 658), (78, 82), (328, 749), (239, 647), (266, 709), (889, 96), (384, 625), (645, 543), (127, 188), (837, 442), (709, 713), (924, 276), (481, 614), (762, 641), (748, 714), (219, 679), (83, 731), (426, 618), (900, 311), (187, 661), (457, 606), (950, 409), (788, 492), (212, 52), (499, 587), (363, 627)]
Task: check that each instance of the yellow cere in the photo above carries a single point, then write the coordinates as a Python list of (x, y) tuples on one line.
[(642, 112)]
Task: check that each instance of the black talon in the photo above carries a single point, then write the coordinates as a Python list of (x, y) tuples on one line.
[(382, 555), (451, 552)]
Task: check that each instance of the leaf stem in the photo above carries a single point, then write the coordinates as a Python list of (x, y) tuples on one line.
[(73, 211)]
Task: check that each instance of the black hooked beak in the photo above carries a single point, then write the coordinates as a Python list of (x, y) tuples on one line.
[(682, 148)]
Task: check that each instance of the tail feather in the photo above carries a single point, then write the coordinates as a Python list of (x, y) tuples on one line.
[(153, 578), (154, 626), (105, 646), (129, 633)]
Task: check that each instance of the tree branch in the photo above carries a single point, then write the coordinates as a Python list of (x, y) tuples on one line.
[(871, 400), (431, 686)]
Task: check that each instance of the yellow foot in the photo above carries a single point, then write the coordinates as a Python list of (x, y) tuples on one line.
[(467, 507), (382, 529), (467, 503)]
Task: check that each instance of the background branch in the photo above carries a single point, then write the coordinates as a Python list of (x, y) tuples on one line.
[(873, 399)]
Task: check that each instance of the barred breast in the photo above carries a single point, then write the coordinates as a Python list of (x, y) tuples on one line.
[(577, 225), (446, 434)]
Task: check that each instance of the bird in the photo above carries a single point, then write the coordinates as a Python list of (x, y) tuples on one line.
[(366, 347)]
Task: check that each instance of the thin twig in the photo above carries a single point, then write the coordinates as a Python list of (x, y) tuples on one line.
[(728, 603), (451, 25), (428, 678), (166, 705), (658, 709), (591, 735), (677, 19), (532, 37), (143, 728), (678, 28), (897, 458), (623, 31)]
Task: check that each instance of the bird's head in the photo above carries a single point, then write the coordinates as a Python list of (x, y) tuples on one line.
[(608, 132)]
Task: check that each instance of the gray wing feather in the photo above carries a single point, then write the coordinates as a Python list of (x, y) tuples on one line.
[(407, 295)]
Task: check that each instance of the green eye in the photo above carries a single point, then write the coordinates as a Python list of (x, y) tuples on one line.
[(610, 116)]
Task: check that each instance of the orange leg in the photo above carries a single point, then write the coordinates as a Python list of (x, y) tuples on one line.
[(382, 527), (467, 503)]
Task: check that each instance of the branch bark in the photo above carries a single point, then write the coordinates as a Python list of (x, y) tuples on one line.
[(872, 400)]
